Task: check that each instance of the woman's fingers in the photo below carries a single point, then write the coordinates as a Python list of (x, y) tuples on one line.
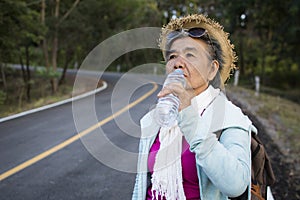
[(172, 88), (178, 90), (165, 91)]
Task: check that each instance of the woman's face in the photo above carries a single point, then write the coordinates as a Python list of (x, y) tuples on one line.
[(192, 56)]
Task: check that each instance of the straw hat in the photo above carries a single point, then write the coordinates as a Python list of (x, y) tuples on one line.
[(215, 31)]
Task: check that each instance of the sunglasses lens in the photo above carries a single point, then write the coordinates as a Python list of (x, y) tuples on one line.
[(172, 35), (196, 32), (193, 32)]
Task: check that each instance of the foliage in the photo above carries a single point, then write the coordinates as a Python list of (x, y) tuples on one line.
[(269, 38), (12, 98), (265, 33), (2, 97), (47, 74), (18, 28), (20, 31)]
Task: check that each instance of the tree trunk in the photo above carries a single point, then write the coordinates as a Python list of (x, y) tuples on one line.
[(67, 62), (22, 68), (242, 69), (263, 62), (3, 76), (24, 79), (28, 84), (20, 101), (26, 73), (54, 81), (44, 41), (69, 11), (55, 47)]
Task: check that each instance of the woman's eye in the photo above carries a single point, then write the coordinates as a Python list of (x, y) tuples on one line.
[(171, 57), (189, 55)]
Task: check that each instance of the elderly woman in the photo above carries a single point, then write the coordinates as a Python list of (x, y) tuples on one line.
[(192, 160)]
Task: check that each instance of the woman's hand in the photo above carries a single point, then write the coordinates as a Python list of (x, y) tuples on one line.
[(185, 95)]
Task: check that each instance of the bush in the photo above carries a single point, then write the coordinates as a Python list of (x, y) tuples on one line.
[(2, 97)]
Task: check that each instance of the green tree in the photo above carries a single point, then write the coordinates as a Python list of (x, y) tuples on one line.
[(20, 31), (266, 40), (94, 21), (52, 16)]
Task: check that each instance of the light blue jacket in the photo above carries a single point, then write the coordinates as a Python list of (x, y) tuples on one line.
[(223, 166)]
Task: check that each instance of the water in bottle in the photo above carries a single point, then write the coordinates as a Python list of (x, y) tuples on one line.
[(166, 110)]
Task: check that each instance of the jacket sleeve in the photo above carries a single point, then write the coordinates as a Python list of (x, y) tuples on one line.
[(225, 162)]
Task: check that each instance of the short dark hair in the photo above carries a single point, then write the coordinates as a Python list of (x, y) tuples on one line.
[(217, 55)]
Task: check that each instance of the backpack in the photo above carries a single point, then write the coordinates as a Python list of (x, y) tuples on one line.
[(262, 174)]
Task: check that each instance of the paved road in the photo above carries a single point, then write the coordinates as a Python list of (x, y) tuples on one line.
[(72, 172)]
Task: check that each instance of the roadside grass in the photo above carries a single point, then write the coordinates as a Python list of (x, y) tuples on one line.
[(285, 116), (281, 117), (14, 101)]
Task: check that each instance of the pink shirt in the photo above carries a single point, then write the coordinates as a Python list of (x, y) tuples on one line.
[(189, 170)]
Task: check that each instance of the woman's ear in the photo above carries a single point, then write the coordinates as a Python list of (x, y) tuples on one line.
[(213, 70)]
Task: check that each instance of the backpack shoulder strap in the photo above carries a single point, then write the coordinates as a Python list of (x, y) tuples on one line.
[(261, 163), (218, 134)]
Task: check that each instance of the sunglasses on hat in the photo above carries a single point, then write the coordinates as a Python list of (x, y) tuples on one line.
[(194, 33)]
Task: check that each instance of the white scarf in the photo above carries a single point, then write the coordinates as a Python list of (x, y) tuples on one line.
[(167, 172)]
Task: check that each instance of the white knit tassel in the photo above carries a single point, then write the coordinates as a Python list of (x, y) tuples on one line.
[(167, 172)]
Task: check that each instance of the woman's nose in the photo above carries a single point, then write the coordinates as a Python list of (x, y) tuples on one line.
[(179, 63)]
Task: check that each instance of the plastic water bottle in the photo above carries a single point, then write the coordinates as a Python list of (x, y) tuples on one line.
[(166, 110)]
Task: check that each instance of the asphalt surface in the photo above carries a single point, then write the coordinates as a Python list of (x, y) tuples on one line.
[(73, 172)]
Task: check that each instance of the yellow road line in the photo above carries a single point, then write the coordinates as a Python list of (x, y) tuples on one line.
[(74, 138)]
